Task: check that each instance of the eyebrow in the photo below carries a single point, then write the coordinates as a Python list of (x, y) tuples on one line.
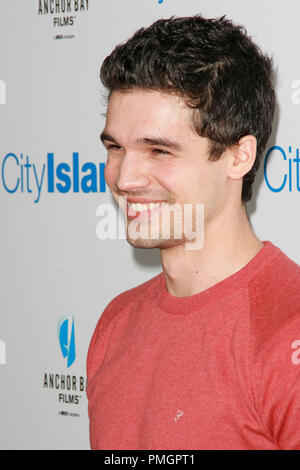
[(161, 141), (107, 137)]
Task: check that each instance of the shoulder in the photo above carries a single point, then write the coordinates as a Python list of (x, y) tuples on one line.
[(274, 340), (119, 304), (127, 298), (274, 297), (116, 307)]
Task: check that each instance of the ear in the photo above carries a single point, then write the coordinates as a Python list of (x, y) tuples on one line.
[(242, 157)]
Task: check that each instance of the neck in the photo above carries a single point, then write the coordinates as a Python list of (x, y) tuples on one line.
[(229, 244)]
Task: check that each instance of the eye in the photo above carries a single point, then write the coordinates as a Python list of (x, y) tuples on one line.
[(160, 151), (113, 147)]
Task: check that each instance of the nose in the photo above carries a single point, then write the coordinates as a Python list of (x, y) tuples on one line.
[(132, 173)]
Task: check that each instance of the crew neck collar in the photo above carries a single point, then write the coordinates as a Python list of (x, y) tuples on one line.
[(182, 305)]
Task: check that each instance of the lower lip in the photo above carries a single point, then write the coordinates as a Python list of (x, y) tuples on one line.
[(131, 214)]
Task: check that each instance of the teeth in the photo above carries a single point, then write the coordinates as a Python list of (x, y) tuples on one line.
[(144, 207)]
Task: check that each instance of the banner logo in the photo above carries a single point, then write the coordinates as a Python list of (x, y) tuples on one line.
[(19, 174), (66, 337), (287, 174), (64, 15)]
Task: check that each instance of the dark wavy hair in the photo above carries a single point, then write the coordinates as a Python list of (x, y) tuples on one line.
[(217, 69)]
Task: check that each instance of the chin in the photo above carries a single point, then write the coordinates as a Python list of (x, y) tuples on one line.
[(154, 243)]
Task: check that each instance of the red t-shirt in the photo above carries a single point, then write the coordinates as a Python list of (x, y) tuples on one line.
[(216, 370)]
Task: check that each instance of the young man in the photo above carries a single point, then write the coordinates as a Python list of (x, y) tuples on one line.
[(206, 355)]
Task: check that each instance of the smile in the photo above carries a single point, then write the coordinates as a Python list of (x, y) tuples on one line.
[(142, 210)]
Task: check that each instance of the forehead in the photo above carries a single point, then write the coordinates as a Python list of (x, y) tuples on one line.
[(135, 113)]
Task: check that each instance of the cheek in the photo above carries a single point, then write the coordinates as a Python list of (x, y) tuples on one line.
[(183, 182), (111, 171), (170, 177), (189, 185)]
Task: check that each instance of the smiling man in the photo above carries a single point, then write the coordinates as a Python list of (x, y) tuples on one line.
[(204, 355)]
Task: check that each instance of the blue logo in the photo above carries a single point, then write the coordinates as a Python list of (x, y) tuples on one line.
[(20, 175), (66, 337), (287, 167)]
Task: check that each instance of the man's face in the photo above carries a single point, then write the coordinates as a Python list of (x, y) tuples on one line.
[(155, 157)]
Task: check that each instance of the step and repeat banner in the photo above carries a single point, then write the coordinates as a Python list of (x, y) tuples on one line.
[(58, 270)]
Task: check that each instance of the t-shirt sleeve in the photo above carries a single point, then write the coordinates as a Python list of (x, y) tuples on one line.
[(100, 341), (277, 385)]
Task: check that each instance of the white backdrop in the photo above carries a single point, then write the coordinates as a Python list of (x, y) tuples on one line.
[(55, 272)]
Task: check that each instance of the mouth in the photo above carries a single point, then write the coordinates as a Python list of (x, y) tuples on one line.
[(142, 210)]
